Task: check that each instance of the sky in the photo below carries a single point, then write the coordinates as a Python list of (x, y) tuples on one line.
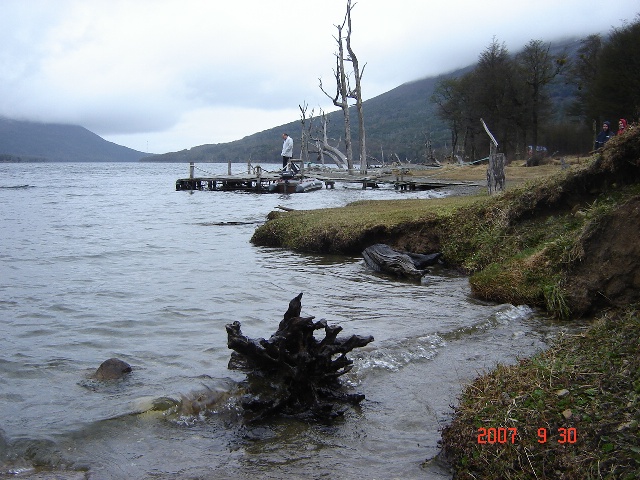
[(166, 75)]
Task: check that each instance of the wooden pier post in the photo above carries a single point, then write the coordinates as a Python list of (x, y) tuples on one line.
[(191, 169), (258, 178)]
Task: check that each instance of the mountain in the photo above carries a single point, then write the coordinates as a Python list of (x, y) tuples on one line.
[(397, 122), (32, 141)]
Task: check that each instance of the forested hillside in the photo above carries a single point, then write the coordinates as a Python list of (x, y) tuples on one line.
[(398, 123), (548, 97)]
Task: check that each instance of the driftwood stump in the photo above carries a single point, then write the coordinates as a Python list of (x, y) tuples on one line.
[(293, 373), (383, 258)]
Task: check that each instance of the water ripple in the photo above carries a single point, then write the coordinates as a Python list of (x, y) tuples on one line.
[(135, 270)]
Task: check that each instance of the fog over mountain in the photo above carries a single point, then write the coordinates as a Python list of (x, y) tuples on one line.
[(31, 141)]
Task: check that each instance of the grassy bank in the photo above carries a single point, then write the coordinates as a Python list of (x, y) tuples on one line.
[(567, 242), (570, 412), (525, 246)]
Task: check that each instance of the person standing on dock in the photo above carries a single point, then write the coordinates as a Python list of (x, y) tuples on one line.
[(287, 149)]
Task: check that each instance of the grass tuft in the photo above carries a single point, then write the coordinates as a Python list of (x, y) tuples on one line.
[(589, 383)]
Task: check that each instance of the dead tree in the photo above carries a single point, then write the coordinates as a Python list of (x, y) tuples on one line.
[(324, 147), (429, 155), (341, 98), (382, 258), (495, 170), (356, 93), (293, 373), (306, 131)]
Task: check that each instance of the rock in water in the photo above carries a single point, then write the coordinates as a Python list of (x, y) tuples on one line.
[(293, 373), (112, 369)]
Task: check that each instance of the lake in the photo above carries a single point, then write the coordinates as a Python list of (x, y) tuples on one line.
[(108, 260)]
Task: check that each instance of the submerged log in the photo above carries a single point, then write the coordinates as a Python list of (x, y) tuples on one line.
[(292, 372), (383, 258)]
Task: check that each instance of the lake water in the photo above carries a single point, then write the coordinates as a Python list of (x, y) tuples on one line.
[(108, 260)]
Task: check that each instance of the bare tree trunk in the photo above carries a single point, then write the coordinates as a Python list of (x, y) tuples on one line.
[(344, 104), (357, 93), (341, 98), (306, 132), (338, 157), (320, 150)]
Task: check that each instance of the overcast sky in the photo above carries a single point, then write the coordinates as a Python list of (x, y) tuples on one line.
[(165, 75)]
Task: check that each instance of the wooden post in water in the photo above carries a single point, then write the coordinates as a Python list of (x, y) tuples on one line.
[(191, 169), (229, 167), (258, 177)]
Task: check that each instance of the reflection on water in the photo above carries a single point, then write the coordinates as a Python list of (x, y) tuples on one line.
[(107, 260)]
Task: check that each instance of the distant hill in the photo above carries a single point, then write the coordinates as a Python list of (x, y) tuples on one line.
[(31, 141), (397, 122)]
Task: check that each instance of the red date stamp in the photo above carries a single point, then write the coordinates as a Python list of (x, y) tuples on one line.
[(503, 435)]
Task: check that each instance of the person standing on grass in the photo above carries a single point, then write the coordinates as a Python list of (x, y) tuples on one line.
[(287, 149), (622, 126), (604, 135)]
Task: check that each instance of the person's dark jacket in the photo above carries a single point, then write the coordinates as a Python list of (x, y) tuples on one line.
[(604, 136)]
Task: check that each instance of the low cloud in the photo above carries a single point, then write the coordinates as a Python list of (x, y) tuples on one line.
[(187, 72)]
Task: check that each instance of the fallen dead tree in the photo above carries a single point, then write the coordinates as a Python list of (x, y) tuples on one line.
[(382, 258), (293, 373)]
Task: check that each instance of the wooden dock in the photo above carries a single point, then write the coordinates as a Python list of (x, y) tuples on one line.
[(260, 181), (255, 180), (226, 183), (261, 184)]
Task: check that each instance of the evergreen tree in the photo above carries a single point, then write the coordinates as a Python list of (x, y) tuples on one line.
[(448, 95), (538, 68), (582, 74), (617, 83), (497, 99)]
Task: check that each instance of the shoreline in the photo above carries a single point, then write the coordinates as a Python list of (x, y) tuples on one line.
[(561, 243)]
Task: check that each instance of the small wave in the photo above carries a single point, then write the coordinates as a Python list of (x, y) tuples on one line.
[(16, 187), (41, 452), (217, 397), (504, 315), (393, 357), (225, 224), (8, 304), (511, 313), (62, 308)]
